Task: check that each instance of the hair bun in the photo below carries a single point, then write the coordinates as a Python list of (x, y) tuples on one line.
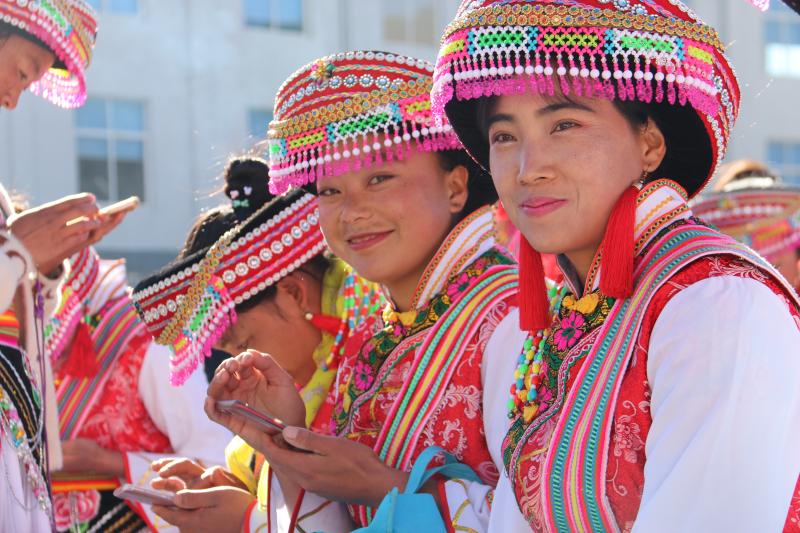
[(246, 180)]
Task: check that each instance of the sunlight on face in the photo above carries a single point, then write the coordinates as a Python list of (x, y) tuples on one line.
[(22, 63), (560, 165)]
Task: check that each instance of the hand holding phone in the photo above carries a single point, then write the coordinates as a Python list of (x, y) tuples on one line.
[(123, 206), (267, 423), (146, 495)]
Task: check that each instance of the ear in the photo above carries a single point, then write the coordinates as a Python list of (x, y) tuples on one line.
[(455, 182), (293, 295), (654, 146)]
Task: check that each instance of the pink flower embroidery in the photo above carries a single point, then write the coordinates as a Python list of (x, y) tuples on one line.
[(455, 289), (569, 333), (86, 502), (362, 374)]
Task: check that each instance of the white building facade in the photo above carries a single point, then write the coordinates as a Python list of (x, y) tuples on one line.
[(178, 86)]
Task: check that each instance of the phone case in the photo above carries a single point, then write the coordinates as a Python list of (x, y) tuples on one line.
[(257, 417), (144, 495)]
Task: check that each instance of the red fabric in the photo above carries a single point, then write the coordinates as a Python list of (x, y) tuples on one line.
[(617, 277), (119, 420), (626, 456), (457, 424), (534, 307), (82, 360)]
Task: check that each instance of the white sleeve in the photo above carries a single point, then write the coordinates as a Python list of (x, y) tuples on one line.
[(15, 263), (722, 452), (178, 413), (470, 504)]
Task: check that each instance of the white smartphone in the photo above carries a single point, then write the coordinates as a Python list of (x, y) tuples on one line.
[(269, 424), (146, 495), (128, 204)]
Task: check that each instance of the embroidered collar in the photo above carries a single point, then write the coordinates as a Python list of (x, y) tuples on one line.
[(468, 240), (658, 205)]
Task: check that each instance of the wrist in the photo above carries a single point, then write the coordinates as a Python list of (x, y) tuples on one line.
[(391, 478)]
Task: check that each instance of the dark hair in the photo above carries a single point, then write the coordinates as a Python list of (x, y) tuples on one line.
[(479, 184), (242, 174), (7, 30), (688, 154)]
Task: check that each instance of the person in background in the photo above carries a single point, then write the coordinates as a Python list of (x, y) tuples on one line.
[(48, 51), (289, 298), (117, 410)]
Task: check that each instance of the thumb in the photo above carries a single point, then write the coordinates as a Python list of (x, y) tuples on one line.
[(310, 441), (197, 499)]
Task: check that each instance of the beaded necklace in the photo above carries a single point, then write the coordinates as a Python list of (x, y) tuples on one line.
[(530, 367)]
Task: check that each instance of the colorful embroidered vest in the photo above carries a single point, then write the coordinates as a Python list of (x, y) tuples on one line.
[(559, 462), (21, 416), (417, 382)]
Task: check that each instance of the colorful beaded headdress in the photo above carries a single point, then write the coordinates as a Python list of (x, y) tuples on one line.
[(69, 29), (189, 305), (652, 51), (349, 110), (766, 219)]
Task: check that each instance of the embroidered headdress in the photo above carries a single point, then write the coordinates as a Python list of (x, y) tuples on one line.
[(69, 29), (651, 51), (190, 304), (349, 110), (765, 218)]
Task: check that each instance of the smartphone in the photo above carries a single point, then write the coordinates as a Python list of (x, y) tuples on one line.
[(128, 204), (269, 424), (145, 495)]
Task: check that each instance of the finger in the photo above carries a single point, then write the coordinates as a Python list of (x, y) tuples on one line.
[(108, 224), (267, 365), (67, 203), (81, 225), (198, 499), (172, 484), (308, 440), (175, 516), (158, 464), (218, 383), (183, 468)]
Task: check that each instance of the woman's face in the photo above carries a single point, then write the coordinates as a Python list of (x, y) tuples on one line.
[(277, 326), (561, 164), (388, 221), (21, 63)]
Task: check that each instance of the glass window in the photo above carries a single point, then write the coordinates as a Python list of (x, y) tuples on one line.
[(256, 12), (782, 43), (258, 123), (290, 14), (111, 148), (784, 158)]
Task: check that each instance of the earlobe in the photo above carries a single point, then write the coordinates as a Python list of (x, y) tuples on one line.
[(654, 146), (457, 188)]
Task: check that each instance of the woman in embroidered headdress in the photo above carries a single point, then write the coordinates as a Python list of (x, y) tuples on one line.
[(45, 48), (117, 410), (263, 263), (763, 213), (403, 204), (664, 396)]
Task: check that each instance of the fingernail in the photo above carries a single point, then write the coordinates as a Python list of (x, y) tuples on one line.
[(290, 433)]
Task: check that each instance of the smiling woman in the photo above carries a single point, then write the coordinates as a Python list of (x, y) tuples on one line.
[(598, 121)]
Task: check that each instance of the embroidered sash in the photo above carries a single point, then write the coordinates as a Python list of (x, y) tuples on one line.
[(118, 324), (435, 361), (574, 489)]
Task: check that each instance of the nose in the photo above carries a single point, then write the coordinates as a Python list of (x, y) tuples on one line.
[(11, 98), (534, 164), (353, 208)]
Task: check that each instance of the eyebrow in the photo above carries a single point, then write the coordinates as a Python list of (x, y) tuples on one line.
[(546, 110)]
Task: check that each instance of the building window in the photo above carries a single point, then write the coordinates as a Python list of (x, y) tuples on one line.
[(782, 41), (784, 158), (124, 7), (283, 14), (411, 21), (258, 123), (110, 137)]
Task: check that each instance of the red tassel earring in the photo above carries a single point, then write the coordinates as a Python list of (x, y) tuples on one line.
[(81, 361), (616, 278), (326, 323), (534, 307)]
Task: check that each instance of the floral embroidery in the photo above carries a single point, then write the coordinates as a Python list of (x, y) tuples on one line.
[(362, 374), (83, 504), (570, 331), (458, 287)]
